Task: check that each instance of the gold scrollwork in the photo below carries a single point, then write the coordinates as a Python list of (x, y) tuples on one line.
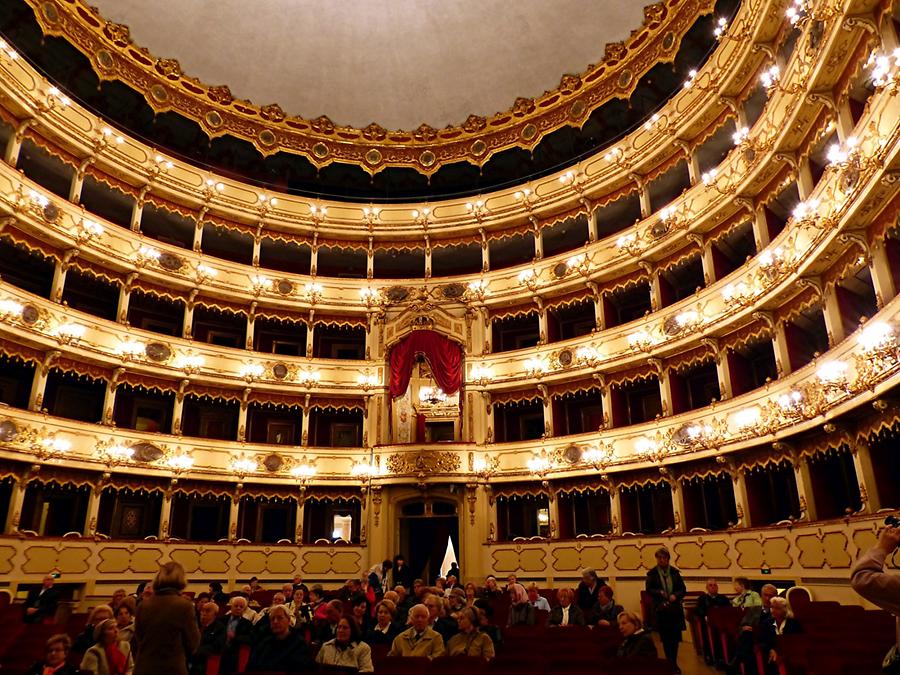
[(425, 461)]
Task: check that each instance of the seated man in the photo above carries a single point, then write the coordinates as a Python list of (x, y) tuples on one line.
[(778, 622), (238, 632), (712, 598), (438, 619), (41, 602), (746, 640), (419, 639), (566, 613), (212, 638), (284, 649), (605, 612), (326, 629), (537, 600)]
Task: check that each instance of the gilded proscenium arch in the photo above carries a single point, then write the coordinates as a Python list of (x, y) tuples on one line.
[(160, 80)]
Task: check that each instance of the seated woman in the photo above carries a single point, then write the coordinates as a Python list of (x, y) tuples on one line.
[(85, 639), (346, 652), (108, 656), (521, 613), (638, 642), (566, 613), (606, 611), (125, 620), (536, 599), (385, 630), (55, 656), (283, 649), (470, 641), (471, 591)]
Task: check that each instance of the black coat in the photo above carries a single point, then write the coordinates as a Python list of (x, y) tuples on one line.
[(45, 604), (638, 645), (212, 641), (706, 602), (289, 655), (447, 627), (576, 616), (600, 613), (667, 616), (376, 637), (585, 597), (767, 636), (38, 669), (403, 576)]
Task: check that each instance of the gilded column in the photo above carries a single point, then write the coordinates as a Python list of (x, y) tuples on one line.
[(299, 515), (677, 504), (39, 383), (553, 508), (165, 512), (780, 347), (234, 510), (17, 500), (14, 144), (93, 510), (804, 486), (125, 298), (865, 474), (882, 277), (834, 323), (760, 229), (538, 242), (615, 507), (741, 496), (805, 183)]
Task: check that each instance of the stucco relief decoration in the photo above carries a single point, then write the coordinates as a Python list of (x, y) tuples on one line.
[(426, 461), (425, 149)]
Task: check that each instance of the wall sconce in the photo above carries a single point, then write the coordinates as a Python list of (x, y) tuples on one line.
[(190, 363), (107, 137), (631, 244), (70, 333), (370, 296), (650, 449), (580, 264), (477, 290), (252, 371), (367, 381), (179, 464), (525, 195), (540, 465), (747, 420), (371, 214), (313, 292), (477, 208), (51, 446), (885, 68), (117, 454), (260, 283), (528, 277), (147, 255), (599, 457), (212, 188), (303, 472), (87, 230), (10, 309), (55, 97), (309, 378), (641, 341), (790, 404), (318, 213), (160, 165), (588, 355), (481, 374), (770, 77), (131, 349), (841, 155), (741, 293), (535, 367), (205, 273), (721, 28), (485, 467), (878, 342), (242, 466), (8, 51), (422, 217), (832, 376), (365, 470)]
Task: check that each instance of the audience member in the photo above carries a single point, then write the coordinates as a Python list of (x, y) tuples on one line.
[(401, 574), (108, 656), (438, 619), (780, 621), (606, 611), (419, 589), (165, 628), (667, 589), (869, 579), (470, 641), (254, 585), (565, 613), (486, 624), (521, 613), (301, 611), (405, 601), (588, 588), (85, 639), (55, 656), (325, 629), (212, 638), (710, 599), (491, 589), (238, 632), (218, 595), (452, 583), (744, 658), (288, 591), (746, 596), (117, 597), (244, 602), (317, 605), (359, 607), (41, 602), (454, 572), (379, 576), (637, 642), (538, 601), (471, 591), (510, 580), (284, 649), (418, 639), (385, 630), (346, 652), (125, 620)]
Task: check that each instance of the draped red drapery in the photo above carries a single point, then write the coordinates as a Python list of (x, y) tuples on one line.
[(443, 355)]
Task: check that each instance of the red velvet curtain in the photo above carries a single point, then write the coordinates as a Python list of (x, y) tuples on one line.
[(443, 355)]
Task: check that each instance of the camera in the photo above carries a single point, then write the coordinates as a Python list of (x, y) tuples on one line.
[(892, 521)]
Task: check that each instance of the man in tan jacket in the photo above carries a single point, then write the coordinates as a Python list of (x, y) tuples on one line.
[(419, 639)]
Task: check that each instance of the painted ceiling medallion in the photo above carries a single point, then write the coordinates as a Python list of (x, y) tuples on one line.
[(157, 352), (146, 453), (280, 371), (8, 431), (166, 87)]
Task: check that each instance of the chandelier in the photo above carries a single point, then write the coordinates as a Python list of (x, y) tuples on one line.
[(432, 395)]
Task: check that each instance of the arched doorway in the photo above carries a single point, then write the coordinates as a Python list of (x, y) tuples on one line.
[(425, 525)]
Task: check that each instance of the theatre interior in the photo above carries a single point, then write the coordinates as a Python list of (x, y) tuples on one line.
[(293, 289)]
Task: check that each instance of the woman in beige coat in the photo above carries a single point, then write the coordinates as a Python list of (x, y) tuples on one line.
[(108, 656), (165, 628)]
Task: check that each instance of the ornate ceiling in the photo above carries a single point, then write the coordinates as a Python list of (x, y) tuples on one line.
[(399, 64)]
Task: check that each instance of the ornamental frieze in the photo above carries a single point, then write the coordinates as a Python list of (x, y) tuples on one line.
[(425, 461), (166, 87)]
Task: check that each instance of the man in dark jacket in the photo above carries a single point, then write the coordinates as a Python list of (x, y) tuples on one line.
[(41, 602), (666, 589), (212, 638), (712, 598), (238, 632), (284, 650)]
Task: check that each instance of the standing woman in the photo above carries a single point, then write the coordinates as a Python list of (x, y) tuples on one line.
[(165, 628), (666, 589)]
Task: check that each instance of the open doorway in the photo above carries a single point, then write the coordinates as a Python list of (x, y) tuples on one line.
[(425, 527)]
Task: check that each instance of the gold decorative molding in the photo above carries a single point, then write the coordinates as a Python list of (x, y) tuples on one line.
[(165, 87), (424, 462)]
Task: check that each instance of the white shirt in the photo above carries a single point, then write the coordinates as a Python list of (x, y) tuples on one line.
[(565, 616)]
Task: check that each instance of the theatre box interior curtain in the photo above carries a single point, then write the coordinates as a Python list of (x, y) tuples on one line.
[(444, 357)]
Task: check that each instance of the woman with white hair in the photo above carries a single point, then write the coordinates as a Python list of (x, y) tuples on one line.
[(521, 612), (780, 621)]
